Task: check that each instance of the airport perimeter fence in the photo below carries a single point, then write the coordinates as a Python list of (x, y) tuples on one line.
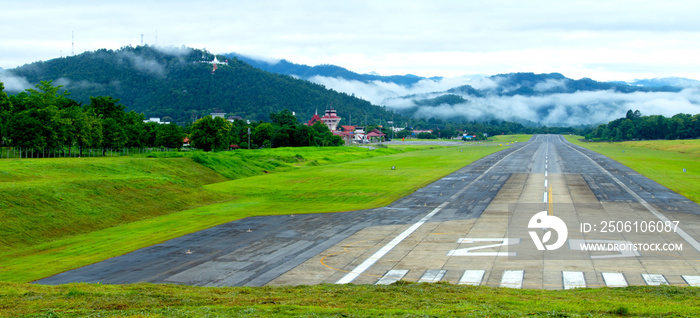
[(28, 153)]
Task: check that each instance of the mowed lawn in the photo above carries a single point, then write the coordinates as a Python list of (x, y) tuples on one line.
[(660, 160), (117, 194), (397, 300)]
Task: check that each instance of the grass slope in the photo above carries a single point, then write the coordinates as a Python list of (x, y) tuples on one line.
[(401, 299), (303, 188), (660, 160)]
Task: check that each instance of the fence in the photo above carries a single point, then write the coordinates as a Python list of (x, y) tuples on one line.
[(73, 152)]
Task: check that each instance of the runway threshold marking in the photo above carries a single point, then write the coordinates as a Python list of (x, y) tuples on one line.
[(512, 279), (573, 280), (392, 276), (683, 234), (360, 269), (472, 277), (432, 276), (692, 280), (655, 279), (614, 279)]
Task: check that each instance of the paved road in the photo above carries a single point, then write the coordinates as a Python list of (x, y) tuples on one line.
[(438, 232)]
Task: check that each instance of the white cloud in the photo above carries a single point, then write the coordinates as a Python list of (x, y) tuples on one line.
[(615, 40), (13, 83)]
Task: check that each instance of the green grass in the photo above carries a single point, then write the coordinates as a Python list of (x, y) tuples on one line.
[(401, 299), (304, 187), (660, 160)]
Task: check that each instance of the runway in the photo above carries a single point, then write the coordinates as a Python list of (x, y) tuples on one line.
[(471, 227)]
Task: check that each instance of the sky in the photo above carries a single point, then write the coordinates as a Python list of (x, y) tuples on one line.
[(602, 40)]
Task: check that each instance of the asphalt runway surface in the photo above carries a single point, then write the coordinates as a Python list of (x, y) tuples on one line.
[(470, 227)]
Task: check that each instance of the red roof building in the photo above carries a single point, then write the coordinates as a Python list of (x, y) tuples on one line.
[(331, 119)]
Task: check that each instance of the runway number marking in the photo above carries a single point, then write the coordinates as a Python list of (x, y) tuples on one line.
[(469, 250)]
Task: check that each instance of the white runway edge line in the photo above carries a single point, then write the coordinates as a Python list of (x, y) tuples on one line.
[(695, 244), (352, 275)]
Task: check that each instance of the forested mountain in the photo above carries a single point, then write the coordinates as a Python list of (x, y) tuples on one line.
[(173, 82), (306, 72)]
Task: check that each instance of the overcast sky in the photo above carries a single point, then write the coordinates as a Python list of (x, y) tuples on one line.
[(603, 40)]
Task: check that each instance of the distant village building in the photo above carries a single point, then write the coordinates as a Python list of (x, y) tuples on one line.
[(218, 113), (156, 120), (314, 119), (331, 119)]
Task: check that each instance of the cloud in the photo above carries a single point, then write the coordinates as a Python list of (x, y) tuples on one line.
[(143, 64), (14, 83), (173, 50), (550, 84), (560, 109)]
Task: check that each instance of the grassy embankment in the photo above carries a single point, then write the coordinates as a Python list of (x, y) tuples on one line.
[(398, 300), (66, 213), (660, 160)]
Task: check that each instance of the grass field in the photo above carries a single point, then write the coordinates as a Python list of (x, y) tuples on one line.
[(313, 179), (398, 300), (660, 160)]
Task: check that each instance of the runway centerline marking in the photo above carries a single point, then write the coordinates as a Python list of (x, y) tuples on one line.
[(352, 275)]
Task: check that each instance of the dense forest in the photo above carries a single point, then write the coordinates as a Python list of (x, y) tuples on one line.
[(634, 126), (179, 84)]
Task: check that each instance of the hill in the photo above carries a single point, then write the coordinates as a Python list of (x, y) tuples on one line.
[(174, 82), (307, 72), (527, 98)]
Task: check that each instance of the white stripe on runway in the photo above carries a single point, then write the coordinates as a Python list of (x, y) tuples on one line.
[(694, 243), (392, 276), (654, 279), (545, 173), (545, 197), (352, 275), (545, 183), (512, 279), (614, 280), (573, 280), (692, 280), (472, 277), (432, 276)]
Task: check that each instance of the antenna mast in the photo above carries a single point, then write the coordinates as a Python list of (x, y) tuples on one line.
[(72, 38)]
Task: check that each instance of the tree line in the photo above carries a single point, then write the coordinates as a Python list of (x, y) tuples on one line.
[(634, 126), (45, 120), (216, 133)]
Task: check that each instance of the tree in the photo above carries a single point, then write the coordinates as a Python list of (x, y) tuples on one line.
[(262, 133), (46, 95), (169, 136), (107, 107), (210, 133), (88, 130), (113, 135), (5, 112), (284, 118)]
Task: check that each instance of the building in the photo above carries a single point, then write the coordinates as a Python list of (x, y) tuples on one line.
[(218, 113), (331, 119), (156, 120), (375, 135), (314, 119)]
